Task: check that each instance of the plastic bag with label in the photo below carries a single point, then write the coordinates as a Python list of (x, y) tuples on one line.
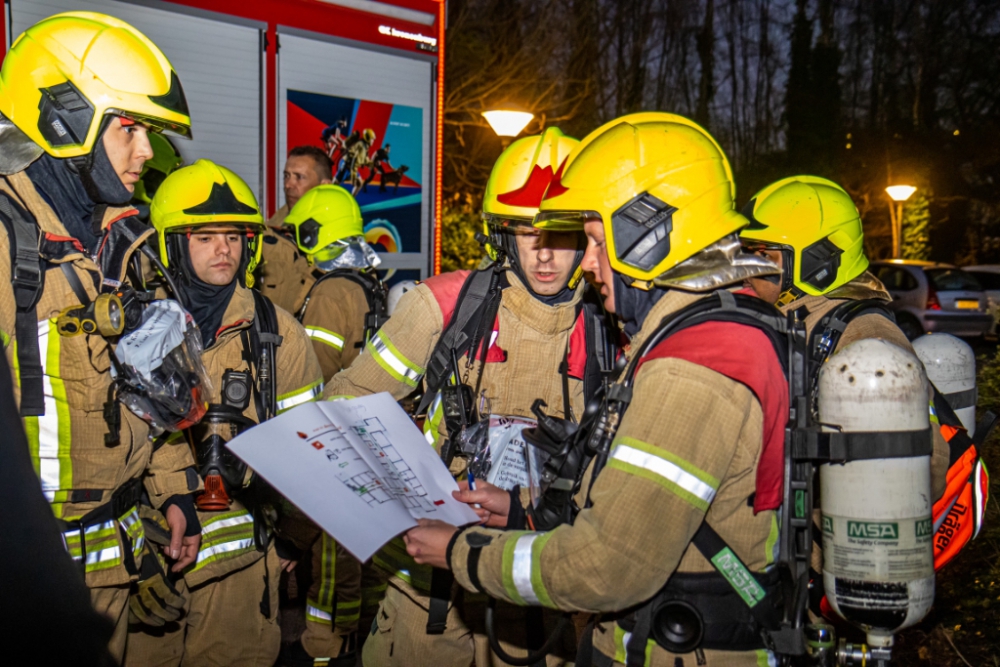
[(160, 374)]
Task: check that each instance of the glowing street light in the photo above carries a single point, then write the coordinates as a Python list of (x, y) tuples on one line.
[(508, 120), (898, 194)]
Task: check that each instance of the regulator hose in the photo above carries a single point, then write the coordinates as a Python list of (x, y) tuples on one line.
[(531, 658)]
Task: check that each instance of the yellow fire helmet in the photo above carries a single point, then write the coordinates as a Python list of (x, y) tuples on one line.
[(816, 224), (519, 179), (64, 74), (324, 215), (661, 185), (205, 194)]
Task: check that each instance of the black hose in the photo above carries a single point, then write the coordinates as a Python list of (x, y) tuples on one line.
[(155, 260), (531, 658)]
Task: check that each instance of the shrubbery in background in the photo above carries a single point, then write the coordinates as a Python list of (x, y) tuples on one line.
[(460, 220)]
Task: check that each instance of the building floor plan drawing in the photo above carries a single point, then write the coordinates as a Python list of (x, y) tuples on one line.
[(359, 468), (403, 482)]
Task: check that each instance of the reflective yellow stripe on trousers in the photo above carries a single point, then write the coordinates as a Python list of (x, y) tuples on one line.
[(102, 541), (225, 536)]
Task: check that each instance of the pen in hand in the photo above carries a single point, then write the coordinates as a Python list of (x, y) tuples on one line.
[(472, 487)]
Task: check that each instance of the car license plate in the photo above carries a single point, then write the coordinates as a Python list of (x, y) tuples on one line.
[(967, 304)]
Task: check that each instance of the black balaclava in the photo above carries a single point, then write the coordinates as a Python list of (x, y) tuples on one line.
[(206, 303), (633, 304), (562, 296), (74, 187)]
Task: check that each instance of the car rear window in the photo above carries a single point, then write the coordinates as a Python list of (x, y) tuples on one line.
[(990, 281), (952, 279), (896, 279)]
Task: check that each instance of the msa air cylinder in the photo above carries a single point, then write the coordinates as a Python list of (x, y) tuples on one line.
[(878, 565), (951, 366)]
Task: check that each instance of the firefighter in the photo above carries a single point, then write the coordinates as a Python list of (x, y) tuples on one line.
[(699, 448), (260, 363), (811, 229), (342, 309), (285, 273), (327, 228), (526, 307), (79, 93)]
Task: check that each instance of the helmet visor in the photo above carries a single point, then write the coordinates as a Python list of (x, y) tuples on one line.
[(154, 124), (218, 227), (505, 221), (565, 221)]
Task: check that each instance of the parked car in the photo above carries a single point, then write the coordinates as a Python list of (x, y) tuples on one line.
[(988, 276), (928, 296)]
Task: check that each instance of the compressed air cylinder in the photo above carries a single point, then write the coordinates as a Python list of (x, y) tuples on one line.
[(396, 293), (951, 366), (878, 564)]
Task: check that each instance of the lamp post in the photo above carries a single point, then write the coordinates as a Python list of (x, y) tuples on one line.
[(898, 194), (508, 121)]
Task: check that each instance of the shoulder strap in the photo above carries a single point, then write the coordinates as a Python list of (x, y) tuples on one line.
[(720, 306), (826, 335), (478, 302), (263, 335), (28, 281), (375, 294), (601, 349)]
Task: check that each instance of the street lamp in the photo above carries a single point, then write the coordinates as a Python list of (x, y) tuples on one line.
[(507, 120), (898, 194)]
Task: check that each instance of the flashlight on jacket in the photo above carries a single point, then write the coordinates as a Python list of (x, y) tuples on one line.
[(104, 315)]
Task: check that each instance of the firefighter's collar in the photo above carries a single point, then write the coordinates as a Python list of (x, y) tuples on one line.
[(540, 317), (239, 313), (672, 301)]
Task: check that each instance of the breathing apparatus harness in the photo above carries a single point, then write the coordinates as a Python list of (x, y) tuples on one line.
[(732, 608), (376, 294), (223, 472), (468, 334), (116, 310)]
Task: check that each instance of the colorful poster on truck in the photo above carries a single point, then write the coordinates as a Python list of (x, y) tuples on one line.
[(377, 152)]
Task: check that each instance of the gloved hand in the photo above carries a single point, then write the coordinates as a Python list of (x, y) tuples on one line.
[(154, 600)]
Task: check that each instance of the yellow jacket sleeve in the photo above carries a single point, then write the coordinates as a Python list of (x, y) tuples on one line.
[(686, 446)]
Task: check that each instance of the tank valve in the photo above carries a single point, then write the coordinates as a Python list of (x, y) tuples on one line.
[(862, 654)]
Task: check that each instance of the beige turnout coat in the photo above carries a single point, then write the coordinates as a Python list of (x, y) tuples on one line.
[(77, 470), (687, 450)]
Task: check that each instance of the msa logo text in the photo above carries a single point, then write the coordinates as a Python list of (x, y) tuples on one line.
[(871, 530)]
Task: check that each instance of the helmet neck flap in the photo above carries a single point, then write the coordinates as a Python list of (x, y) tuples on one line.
[(74, 187), (206, 303)]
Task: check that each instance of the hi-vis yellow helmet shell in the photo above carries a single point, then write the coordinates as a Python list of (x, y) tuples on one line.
[(816, 222), (519, 179), (64, 74), (206, 194), (660, 184), (324, 215)]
